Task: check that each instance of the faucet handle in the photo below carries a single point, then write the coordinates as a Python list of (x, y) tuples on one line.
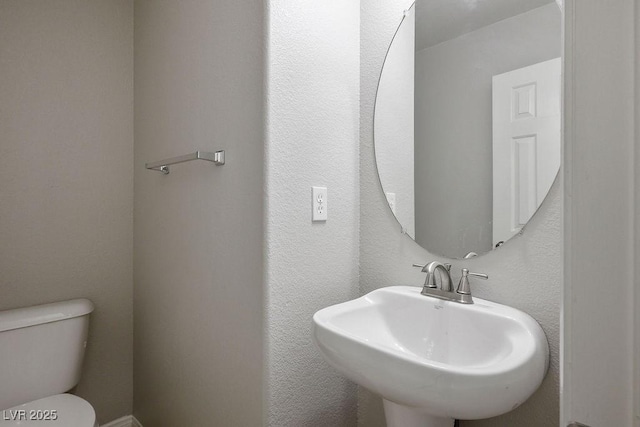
[(446, 265), (463, 286), (479, 275), (429, 282)]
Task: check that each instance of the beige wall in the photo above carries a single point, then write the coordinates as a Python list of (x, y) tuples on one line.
[(198, 232), (525, 273), (66, 187)]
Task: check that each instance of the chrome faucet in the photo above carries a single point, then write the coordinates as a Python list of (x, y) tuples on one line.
[(430, 281), (446, 292)]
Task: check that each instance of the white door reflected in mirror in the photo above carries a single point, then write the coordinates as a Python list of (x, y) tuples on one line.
[(433, 126), (526, 143)]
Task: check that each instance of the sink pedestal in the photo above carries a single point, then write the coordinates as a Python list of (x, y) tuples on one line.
[(405, 416)]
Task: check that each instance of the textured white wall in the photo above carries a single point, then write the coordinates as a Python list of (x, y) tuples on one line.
[(312, 139), (198, 232), (394, 123), (454, 130), (525, 273), (66, 180)]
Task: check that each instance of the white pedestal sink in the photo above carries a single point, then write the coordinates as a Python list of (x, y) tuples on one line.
[(431, 360)]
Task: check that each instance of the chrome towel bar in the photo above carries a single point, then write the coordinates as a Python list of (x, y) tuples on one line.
[(163, 165)]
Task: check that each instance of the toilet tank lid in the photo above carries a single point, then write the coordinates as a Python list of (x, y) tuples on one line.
[(45, 313)]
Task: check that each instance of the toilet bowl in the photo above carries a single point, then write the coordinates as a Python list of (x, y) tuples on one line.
[(41, 353)]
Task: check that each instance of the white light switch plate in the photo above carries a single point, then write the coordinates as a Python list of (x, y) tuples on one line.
[(319, 203)]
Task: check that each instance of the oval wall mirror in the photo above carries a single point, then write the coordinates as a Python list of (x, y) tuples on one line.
[(467, 120)]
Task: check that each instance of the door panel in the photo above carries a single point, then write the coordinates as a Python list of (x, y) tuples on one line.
[(526, 143)]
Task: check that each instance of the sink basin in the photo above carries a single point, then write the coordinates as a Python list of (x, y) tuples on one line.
[(433, 360)]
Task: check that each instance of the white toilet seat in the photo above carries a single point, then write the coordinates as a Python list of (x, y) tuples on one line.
[(70, 411)]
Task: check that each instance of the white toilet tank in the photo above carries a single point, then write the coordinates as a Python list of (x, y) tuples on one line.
[(41, 350)]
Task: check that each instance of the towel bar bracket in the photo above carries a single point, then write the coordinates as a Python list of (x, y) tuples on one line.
[(163, 166)]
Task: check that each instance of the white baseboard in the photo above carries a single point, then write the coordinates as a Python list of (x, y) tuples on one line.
[(128, 421)]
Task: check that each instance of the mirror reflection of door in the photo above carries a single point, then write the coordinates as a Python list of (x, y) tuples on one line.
[(526, 143), (433, 128)]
